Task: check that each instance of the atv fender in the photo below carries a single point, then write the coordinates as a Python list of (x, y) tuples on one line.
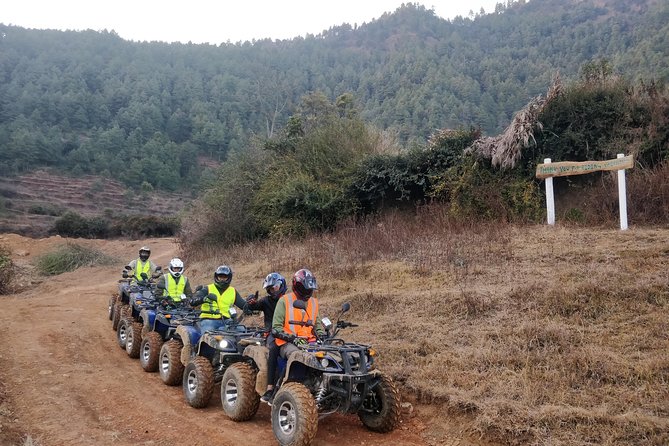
[(300, 357), (259, 354), (148, 317), (190, 336)]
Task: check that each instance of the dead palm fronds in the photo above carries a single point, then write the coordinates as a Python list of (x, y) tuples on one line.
[(506, 149)]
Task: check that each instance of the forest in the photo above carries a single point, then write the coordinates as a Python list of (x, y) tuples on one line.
[(164, 116)]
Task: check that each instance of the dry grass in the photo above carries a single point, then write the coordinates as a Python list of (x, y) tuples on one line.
[(505, 150), (546, 336)]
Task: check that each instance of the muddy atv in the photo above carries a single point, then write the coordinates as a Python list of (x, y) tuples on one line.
[(129, 332), (119, 303), (208, 355), (321, 378), (160, 327)]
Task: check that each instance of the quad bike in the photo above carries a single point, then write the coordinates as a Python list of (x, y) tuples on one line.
[(324, 377), (119, 303), (160, 326), (206, 356), (129, 331)]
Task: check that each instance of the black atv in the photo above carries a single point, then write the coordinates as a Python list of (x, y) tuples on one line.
[(129, 331), (160, 327), (119, 303), (321, 378), (211, 354)]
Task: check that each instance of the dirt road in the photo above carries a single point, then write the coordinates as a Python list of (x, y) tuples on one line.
[(64, 380)]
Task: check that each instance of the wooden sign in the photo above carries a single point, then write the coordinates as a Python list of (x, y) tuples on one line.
[(565, 168)]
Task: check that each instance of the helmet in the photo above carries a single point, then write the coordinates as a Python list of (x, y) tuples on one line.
[(275, 284), (223, 276), (176, 267), (304, 284), (144, 253)]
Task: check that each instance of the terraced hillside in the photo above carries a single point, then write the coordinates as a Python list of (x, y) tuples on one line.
[(30, 203)]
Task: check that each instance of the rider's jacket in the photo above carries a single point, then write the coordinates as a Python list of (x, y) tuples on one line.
[(221, 306), (296, 314), (174, 289), (142, 267)]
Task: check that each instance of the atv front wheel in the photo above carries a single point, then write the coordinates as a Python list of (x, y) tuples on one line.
[(198, 382), (149, 351), (133, 339), (120, 310), (294, 415), (238, 394), (169, 362), (122, 332), (380, 411)]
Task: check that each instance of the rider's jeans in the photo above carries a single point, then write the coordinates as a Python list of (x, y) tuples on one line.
[(211, 324)]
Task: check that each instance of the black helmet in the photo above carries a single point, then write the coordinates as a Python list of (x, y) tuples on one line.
[(304, 284), (144, 253), (223, 276), (275, 284)]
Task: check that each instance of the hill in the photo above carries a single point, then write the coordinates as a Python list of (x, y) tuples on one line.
[(92, 103), (31, 203)]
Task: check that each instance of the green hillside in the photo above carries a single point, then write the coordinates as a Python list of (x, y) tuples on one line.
[(92, 103)]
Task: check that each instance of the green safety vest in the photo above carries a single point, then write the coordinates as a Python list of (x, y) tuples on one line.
[(222, 304), (142, 268), (174, 289)]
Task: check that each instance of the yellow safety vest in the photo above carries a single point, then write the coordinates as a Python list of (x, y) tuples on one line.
[(174, 289), (142, 268), (221, 307)]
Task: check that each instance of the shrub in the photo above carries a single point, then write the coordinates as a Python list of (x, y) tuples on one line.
[(70, 257), (6, 270), (71, 224)]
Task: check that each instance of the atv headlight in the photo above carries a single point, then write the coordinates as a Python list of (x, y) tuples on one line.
[(325, 363), (223, 344)]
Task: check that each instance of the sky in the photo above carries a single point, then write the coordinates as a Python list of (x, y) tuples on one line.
[(214, 21)]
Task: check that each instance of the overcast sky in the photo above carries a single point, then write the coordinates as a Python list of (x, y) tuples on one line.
[(213, 21)]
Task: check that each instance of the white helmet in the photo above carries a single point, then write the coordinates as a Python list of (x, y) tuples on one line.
[(176, 267)]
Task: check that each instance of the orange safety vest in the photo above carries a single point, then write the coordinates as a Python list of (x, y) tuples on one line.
[(295, 314)]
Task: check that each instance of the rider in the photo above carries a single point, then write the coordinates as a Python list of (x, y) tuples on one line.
[(174, 284), (275, 285), (216, 300), (289, 335), (142, 265)]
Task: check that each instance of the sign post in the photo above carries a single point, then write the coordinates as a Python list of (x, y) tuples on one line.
[(548, 170), (550, 200)]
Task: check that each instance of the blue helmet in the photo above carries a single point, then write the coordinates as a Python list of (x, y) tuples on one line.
[(275, 284)]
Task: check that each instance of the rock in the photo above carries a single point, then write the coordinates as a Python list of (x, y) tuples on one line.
[(407, 408), (22, 253)]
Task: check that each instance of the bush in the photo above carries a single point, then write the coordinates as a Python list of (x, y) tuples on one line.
[(6, 271), (70, 257), (71, 224)]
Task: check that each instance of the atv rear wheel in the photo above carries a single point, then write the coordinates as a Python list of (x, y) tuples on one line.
[(238, 394), (380, 411), (149, 351), (198, 382), (122, 332), (133, 339), (112, 302), (169, 362), (294, 415)]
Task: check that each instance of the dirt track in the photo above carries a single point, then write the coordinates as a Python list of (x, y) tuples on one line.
[(64, 380)]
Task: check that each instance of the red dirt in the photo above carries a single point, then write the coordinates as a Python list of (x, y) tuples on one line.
[(64, 380)]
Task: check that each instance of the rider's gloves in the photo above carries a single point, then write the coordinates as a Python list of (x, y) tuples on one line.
[(124, 274), (300, 341), (247, 310)]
